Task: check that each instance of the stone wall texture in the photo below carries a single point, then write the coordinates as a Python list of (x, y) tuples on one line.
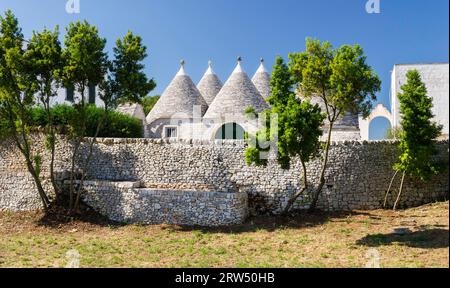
[(358, 175), (127, 202)]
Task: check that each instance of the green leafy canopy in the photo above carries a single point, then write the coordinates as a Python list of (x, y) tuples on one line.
[(298, 123), (340, 77)]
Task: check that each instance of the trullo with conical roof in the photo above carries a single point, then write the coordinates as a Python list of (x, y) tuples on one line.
[(210, 85), (226, 117), (178, 111), (261, 79)]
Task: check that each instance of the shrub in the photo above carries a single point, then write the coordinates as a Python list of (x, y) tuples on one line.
[(4, 131), (117, 125)]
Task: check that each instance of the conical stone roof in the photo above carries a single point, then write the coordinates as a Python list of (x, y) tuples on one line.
[(262, 80), (210, 85), (237, 94), (179, 98), (132, 109)]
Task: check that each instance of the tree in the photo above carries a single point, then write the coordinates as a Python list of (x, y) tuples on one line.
[(43, 60), (17, 91), (149, 102), (341, 79), (298, 128), (130, 82), (121, 80), (417, 135), (85, 64)]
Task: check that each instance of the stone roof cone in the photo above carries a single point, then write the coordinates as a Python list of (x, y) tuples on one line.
[(262, 80), (237, 94), (210, 85), (133, 110), (179, 98)]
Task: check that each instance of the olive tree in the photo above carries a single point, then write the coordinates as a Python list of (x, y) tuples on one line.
[(341, 79)]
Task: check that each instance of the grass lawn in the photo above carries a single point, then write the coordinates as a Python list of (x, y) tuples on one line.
[(321, 240)]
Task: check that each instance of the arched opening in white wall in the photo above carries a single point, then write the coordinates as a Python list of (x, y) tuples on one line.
[(230, 131), (379, 128)]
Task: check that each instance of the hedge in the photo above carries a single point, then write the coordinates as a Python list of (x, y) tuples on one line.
[(117, 125)]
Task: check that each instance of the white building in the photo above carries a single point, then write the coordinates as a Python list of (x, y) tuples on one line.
[(436, 79), (68, 96)]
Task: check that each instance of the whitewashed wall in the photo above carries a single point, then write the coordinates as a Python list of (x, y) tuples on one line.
[(436, 78)]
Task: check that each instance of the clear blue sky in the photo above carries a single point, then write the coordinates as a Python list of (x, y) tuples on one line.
[(406, 31)]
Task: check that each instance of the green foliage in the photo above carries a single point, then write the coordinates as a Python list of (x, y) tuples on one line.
[(43, 60), (37, 159), (85, 61), (293, 124), (116, 125), (418, 131), (16, 96), (393, 133), (130, 82), (30, 76), (148, 103), (341, 77), (11, 69), (17, 89), (5, 131)]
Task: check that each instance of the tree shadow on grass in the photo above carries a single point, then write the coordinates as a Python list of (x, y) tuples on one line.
[(270, 223), (424, 238), (58, 217)]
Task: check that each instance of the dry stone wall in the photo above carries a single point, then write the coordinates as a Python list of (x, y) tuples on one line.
[(127, 202), (357, 177)]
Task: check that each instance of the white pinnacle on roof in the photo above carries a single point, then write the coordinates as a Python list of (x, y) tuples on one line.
[(179, 98), (238, 68), (210, 85), (237, 94), (210, 70), (262, 80)]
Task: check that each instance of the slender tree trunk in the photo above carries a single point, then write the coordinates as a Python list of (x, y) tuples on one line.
[(25, 151), (299, 193), (72, 174), (51, 133), (75, 151), (389, 189), (324, 168), (88, 160), (31, 169), (52, 169), (399, 192), (37, 180)]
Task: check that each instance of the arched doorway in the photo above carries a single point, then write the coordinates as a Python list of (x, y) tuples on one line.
[(364, 124), (230, 131), (379, 128)]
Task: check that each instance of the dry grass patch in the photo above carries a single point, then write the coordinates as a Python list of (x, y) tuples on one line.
[(320, 240)]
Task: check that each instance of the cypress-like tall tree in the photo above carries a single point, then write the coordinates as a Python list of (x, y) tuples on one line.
[(418, 133)]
